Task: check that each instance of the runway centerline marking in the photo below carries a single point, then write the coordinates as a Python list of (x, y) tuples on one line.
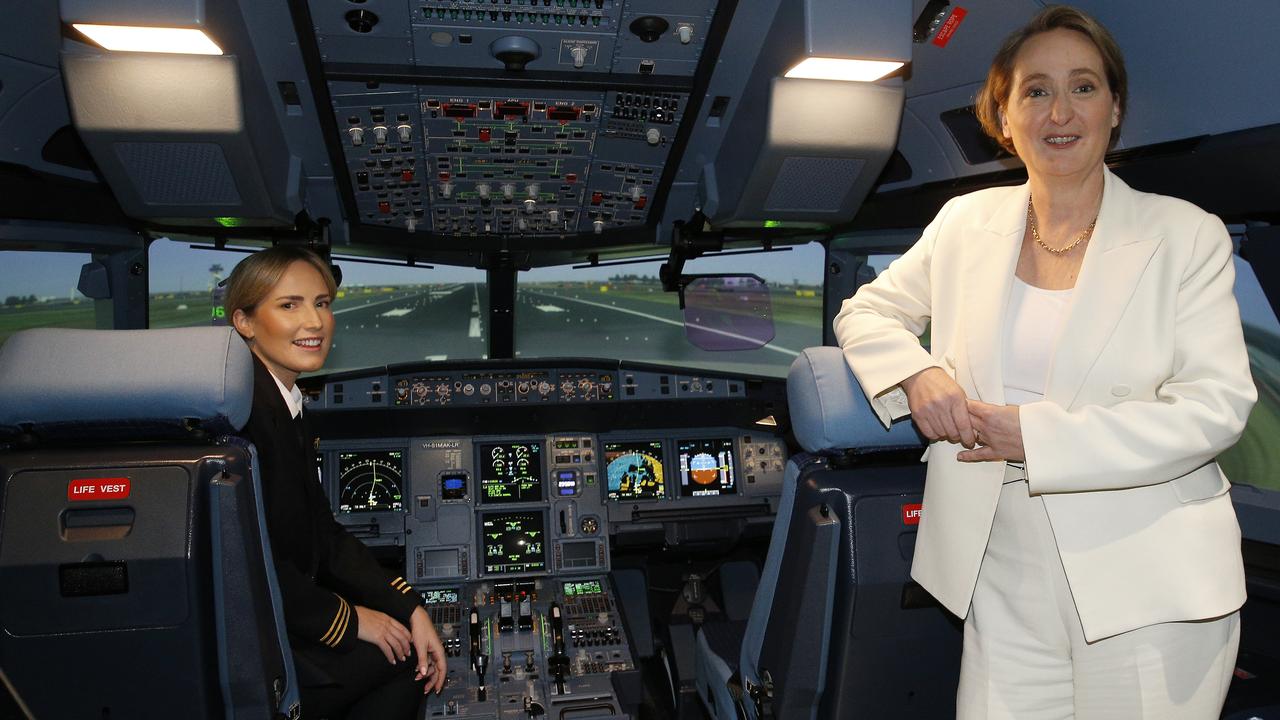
[(398, 312), (718, 331), (550, 308), (474, 330)]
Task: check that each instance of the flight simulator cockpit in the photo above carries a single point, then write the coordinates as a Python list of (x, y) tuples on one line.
[(589, 252)]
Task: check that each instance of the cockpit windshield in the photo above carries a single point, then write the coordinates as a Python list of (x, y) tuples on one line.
[(621, 311)]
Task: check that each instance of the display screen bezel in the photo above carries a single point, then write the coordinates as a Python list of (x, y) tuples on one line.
[(678, 480), (483, 453), (631, 444), (403, 484), (482, 549)]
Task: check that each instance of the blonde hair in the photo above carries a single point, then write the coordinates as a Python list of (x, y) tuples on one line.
[(994, 95), (254, 276)]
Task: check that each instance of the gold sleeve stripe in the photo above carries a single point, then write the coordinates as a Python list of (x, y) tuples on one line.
[(399, 583), (407, 589), (339, 626)]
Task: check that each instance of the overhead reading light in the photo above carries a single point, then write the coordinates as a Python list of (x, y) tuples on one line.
[(188, 41), (820, 68)]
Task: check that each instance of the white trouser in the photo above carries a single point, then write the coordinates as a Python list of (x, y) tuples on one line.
[(1025, 655)]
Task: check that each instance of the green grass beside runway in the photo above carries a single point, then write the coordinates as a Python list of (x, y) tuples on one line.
[(59, 314), (1255, 460)]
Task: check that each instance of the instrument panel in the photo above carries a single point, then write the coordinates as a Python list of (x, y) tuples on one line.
[(473, 508)]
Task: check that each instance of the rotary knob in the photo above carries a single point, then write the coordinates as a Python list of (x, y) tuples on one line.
[(483, 191), (380, 135), (652, 136), (357, 135), (446, 190), (553, 216), (597, 226), (405, 132), (508, 191)]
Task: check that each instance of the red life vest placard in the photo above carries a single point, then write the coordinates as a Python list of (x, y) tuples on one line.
[(98, 489), (911, 513)]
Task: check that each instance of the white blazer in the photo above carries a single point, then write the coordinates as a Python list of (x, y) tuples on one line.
[(1149, 383)]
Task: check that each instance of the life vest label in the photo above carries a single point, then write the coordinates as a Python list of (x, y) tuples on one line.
[(911, 513), (98, 489)]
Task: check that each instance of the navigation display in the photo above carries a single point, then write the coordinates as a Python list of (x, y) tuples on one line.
[(370, 481), (510, 473), (634, 469), (513, 542), (706, 467)]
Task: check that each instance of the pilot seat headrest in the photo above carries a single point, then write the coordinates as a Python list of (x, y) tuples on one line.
[(830, 412), (124, 384)]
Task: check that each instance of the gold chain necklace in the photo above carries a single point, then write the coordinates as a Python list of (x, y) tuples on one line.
[(1035, 231)]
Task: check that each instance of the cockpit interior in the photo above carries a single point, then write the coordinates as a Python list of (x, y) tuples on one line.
[(584, 395)]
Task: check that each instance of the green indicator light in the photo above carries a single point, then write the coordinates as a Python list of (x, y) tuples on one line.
[(229, 221)]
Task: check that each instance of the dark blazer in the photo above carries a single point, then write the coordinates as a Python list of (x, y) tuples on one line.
[(323, 571)]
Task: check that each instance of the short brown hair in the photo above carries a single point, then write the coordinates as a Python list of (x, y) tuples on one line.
[(254, 276), (994, 94)]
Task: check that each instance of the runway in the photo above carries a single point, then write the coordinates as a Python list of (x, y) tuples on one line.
[(450, 322)]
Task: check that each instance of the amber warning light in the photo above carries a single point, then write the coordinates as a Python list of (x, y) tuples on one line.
[(82, 489)]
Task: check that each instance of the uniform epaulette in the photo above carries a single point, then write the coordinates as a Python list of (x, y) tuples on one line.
[(404, 587)]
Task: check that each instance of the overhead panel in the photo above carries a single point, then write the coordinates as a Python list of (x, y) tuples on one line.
[(512, 118)]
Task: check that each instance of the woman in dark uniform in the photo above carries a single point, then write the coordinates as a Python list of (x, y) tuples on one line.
[(363, 644)]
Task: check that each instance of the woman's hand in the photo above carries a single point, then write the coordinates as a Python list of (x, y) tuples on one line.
[(999, 431), (382, 630), (938, 406), (431, 660)]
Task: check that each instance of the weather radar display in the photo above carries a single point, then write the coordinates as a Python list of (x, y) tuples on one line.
[(634, 470), (510, 473), (370, 481), (707, 468)]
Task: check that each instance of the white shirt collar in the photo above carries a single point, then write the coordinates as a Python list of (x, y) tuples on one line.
[(292, 396)]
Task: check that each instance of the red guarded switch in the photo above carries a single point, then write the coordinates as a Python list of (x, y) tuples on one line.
[(384, 207), (406, 176), (597, 198), (485, 134)]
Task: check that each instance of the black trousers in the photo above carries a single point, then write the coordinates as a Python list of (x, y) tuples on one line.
[(356, 685)]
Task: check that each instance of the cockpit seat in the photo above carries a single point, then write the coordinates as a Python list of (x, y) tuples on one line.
[(837, 629), (134, 560)]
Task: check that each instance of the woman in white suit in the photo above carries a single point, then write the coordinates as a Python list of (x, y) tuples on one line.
[(1086, 366)]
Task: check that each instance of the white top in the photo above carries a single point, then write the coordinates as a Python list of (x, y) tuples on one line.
[(292, 396), (1033, 323)]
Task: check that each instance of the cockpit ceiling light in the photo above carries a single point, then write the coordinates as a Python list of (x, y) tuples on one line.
[(188, 41), (820, 68)]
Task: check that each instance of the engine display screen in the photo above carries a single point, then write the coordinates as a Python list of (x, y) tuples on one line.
[(513, 542), (706, 467), (634, 470), (582, 587), (510, 473), (370, 481)]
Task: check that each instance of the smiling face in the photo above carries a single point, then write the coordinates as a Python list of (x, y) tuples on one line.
[(291, 329), (1060, 110)]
